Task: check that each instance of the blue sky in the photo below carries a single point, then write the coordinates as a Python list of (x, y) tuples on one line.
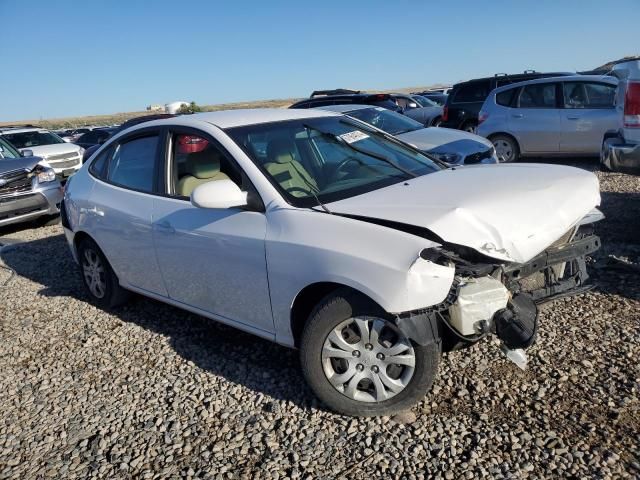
[(67, 58)]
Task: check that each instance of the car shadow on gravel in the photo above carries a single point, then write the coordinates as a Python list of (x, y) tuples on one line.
[(259, 365)]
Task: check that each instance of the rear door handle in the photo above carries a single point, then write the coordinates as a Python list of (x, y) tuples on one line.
[(517, 115), (164, 227)]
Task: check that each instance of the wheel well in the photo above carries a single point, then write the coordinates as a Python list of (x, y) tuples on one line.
[(307, 300), (79, 237)]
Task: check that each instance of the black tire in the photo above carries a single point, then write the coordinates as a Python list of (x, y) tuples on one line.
[(469, 127), (436, 122), (113, 294), (328, 314), (507, 149)]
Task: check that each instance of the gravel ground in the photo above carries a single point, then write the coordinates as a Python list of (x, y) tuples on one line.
[(150, 391)]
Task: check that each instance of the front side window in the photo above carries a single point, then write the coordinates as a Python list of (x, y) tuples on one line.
[(133, 164), (195, 161), (35, 138), (588, 95), (391, 122), (328, 159), (7, 151), (538, 95)]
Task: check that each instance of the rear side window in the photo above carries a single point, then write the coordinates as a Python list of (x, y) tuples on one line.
[(538, 95), (133, 164), (505, 98), (98, 167), (473, 92)]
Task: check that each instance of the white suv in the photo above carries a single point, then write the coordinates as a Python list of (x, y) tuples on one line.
[(65, 158)]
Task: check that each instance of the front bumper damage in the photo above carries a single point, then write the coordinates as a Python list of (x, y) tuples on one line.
[(490, 298)]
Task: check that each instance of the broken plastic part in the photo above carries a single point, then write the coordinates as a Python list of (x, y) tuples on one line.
[(478, 299), (517, 356)]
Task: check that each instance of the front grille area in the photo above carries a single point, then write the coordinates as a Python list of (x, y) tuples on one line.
[(16, 181), (478, 157), (64, 164)]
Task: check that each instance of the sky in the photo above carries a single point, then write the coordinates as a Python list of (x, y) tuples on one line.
[(80, 57)]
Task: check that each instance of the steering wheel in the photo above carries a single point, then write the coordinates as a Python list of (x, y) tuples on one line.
[(341, 165)]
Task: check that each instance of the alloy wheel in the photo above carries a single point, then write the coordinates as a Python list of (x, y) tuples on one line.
[(368, 359), (504, 150), (94, 273)]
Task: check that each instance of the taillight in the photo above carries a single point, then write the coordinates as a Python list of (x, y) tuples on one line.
[(632, 105), (445, 113), (482, 116)]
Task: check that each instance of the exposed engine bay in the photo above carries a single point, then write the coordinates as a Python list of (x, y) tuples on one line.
[(491, 297)]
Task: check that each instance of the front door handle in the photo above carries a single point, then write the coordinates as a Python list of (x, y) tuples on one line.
[(573, 118), (517, 115), (164, 227), (92, 211)]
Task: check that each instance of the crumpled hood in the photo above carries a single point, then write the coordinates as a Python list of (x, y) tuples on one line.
[(510, 212), (445, 140), (55, 149), (25, 163)]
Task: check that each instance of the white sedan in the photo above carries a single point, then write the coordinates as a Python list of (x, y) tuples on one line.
[(319, 232)]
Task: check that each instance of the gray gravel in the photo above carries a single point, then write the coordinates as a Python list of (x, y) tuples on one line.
[(153, 392)]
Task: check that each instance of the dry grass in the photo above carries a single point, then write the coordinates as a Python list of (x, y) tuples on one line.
[(117, 118)]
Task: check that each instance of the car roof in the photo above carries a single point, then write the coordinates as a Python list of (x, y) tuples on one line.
[(242, 117), (4, 130), (567, 78), (349, 107)]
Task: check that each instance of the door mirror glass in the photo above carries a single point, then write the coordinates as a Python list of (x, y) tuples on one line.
[(413, 105), (27, 153), (218, 194)]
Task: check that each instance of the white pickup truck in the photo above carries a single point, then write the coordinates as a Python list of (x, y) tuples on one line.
[(621, 148)]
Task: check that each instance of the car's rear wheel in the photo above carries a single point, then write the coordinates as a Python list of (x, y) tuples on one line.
[(469, 127), (98, 277), (359, 363), (507, 149), (436, 122)]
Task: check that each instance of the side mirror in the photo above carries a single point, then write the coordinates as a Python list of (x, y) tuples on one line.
[(27, 153), (412, 105), (218, 194)]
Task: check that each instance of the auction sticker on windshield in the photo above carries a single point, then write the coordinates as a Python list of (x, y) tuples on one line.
[(355, 136)]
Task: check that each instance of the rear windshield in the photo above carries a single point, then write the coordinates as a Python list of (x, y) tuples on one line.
[(33, 139), (472, 92)]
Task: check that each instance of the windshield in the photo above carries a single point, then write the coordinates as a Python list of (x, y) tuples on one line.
[(328, 159), (424, 101), (391, 122), (34, 138), (7, 150)]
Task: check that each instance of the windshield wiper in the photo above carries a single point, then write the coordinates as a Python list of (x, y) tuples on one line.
[(362, 151)]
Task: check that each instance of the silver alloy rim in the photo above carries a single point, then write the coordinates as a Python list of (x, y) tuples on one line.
[(94, 273), (504, 150), (368, 359)]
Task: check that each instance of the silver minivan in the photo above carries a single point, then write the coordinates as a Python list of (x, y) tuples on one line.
[(559, 116)]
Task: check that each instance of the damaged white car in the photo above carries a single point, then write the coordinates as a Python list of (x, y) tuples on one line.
[(316, 231)]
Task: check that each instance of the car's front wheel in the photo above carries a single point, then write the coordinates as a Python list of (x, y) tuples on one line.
[(98, 277), (359, 363)]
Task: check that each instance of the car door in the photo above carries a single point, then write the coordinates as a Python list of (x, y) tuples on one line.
[(120, 208), (588, 113), (536, 119), (213, 260)]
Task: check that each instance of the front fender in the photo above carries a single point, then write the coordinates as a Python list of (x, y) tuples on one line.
[(304, 247)]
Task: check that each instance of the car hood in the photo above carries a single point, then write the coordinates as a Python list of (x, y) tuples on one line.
[(23, 163), (55, 149), (509, 212), (445, 140)]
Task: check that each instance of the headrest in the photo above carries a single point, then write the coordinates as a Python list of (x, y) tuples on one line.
[(280, 150), (204, 164)]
